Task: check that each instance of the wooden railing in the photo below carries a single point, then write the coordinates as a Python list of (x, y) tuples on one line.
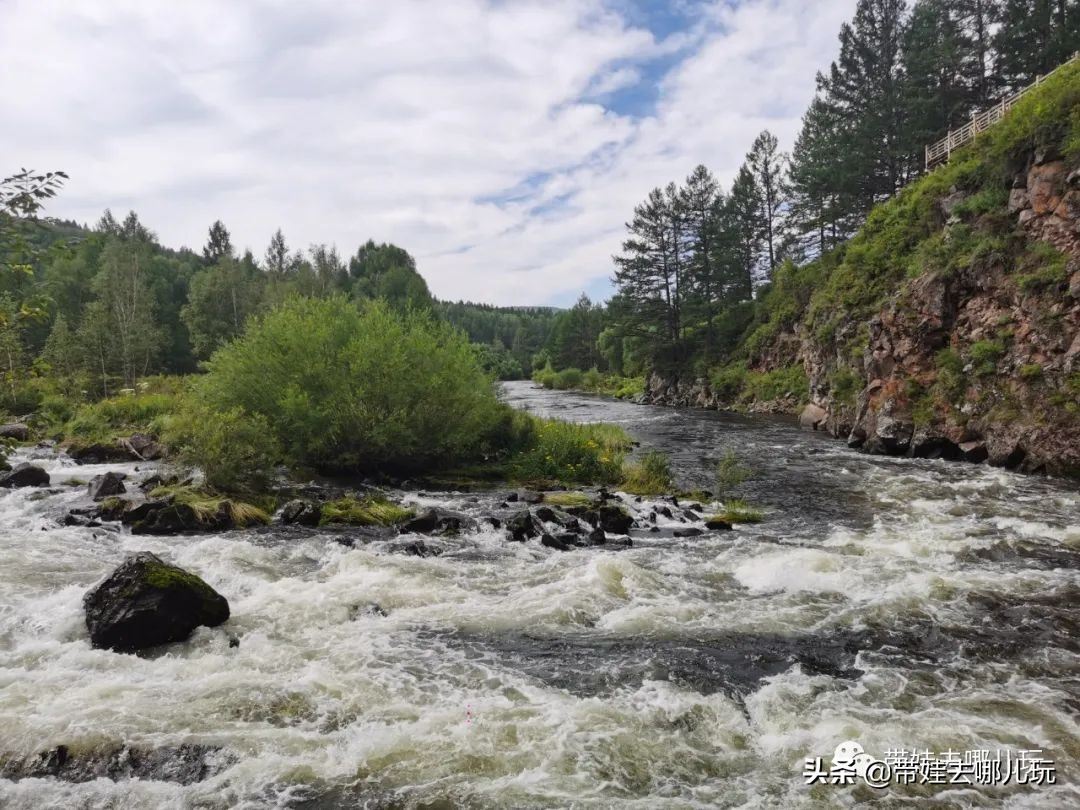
[(941, 151)]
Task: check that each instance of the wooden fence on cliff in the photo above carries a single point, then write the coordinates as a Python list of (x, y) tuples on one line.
[(941, 151)]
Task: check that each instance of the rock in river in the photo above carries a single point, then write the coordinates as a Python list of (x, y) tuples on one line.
[(106, 485), (614, 519), (301, 513), (146, 602), (25, 475)]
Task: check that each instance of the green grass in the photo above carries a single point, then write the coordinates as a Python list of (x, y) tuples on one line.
[(207, 504), (737, 511), (568, 499), (548, 450), (372, 510), (649, 476), (105, 421)]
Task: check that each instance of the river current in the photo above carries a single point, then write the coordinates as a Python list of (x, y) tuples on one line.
[(899, 603)]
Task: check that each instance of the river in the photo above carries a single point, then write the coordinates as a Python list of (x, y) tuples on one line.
[(898, 603)]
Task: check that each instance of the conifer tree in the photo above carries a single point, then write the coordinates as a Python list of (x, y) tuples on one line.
[(218, 245)]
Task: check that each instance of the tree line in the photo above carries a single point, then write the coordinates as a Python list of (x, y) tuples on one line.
[(93, 310), (696, 254)]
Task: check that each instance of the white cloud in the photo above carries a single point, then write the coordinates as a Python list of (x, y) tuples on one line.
[(472, 133)]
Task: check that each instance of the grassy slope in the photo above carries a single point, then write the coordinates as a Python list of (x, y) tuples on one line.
[(831, 300)]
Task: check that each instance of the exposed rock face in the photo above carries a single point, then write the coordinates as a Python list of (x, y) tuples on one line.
[(25, 475), (106, 485), (1011, 396), (146, 602)]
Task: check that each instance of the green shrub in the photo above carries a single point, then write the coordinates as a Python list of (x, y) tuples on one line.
[(1045, 268), (985, 355), (547, 450), (628, 387), (592, 380), (1031, 371), (649, 476), (545, 376), (569, 378), (777, 384), (727, 382), (236, 450), (951, 381), (845, 385), (984, 201), (344, 387)]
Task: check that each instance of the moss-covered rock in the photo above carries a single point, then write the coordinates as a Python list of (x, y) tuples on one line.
[(146, 602)]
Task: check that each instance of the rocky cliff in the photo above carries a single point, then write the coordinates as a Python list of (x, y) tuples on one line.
[(950, 326)]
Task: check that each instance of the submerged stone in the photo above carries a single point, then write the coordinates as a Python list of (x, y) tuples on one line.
[(146, 602)]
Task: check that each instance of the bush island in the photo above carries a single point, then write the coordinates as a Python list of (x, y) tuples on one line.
[(342, 387)]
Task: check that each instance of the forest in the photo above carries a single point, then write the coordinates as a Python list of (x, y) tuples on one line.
[(86, 313), (694, 276)]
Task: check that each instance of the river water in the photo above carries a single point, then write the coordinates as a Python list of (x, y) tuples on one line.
[(897, 603)]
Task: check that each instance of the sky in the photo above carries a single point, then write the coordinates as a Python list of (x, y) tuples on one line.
[(503, 143)]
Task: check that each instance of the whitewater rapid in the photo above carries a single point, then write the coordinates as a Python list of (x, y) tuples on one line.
[(892, 602)]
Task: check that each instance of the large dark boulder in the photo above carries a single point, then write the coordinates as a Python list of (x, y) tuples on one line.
[(146, 602), (163, 517), (523, 526), (614, 519), (25, 475), (434, 519), (97, 453), (106, 485), (301, 512), (16, 430)]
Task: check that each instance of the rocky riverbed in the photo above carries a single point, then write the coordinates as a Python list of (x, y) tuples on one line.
[(496, 654)]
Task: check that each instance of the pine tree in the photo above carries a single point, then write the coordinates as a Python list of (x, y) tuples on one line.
[(1035, 37), (864, 90), (769, 167), (817, 208), (277, 255), (218, 245), (701, 202), (936, 56), (977, 19), (647, 278), (742, 218)]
